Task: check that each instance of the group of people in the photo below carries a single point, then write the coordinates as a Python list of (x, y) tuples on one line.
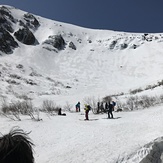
[(16, 147), (109, 108)]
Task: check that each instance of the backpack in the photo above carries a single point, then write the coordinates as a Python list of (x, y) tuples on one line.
[(114, 103), (89, 107)]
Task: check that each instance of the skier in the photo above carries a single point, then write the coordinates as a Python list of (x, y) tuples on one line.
[(87, 109)]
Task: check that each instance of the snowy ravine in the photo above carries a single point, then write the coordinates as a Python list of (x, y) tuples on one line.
[(86, 63)]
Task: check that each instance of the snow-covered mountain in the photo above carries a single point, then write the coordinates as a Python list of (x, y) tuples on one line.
[(41, 57), (44, 59)]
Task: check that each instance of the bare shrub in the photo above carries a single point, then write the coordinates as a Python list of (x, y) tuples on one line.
[(149, 101), (138, 102), (68, 107), (15, 109), (121, 106), (90, 101), (23, 96), (27, 108), (131, 103), (11, 111), (136, 91), (107, 99), (142, 102), (49, 107), (148, 87)]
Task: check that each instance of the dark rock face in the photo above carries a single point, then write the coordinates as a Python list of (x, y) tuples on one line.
[(6, 19), (59, 42), (7, 42), (29, 22), (56, 41), (25, 36)]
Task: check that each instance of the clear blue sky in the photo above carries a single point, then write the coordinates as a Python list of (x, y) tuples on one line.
[(120, 15)]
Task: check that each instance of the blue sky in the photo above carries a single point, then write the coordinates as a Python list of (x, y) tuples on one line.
[(119, 15)]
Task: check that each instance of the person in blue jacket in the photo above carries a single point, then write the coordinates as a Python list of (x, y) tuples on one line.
[(78, 107)]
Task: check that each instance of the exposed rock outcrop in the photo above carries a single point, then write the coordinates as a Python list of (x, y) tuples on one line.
[(29, 21), (25, 36), (71, 45), (6, 19), (56, 41), (7, 42)]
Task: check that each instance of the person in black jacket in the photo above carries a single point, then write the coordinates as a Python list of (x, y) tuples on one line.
[(106, 107), (60, 112), (110, 109)]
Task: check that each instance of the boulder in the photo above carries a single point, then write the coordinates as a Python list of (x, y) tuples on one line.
[(31, 21), (71, 45), (25, 36), (56, 41)]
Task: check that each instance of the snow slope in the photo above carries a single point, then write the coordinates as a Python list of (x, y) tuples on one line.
[(68, 139), (104, 63)]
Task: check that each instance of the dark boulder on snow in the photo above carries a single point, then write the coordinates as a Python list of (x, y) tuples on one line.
[(56, 41), (59, 42), (113, 44), (32, 22), (25, 36), (71, 45), (29, 21), (7, 42)]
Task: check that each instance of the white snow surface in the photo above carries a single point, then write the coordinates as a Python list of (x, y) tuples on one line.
[(93, 70), (67, 139)]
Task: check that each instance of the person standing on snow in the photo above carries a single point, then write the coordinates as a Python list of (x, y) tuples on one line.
[(98, 107), (114, 104), (78, 107), (106, 107), (87, 109), (110, 109)]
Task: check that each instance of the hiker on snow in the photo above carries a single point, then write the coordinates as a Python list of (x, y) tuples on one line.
[(87, 109), (78, 107), (106, 106), (110, 109), (98, 107), (113, 103), (60, 112)]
